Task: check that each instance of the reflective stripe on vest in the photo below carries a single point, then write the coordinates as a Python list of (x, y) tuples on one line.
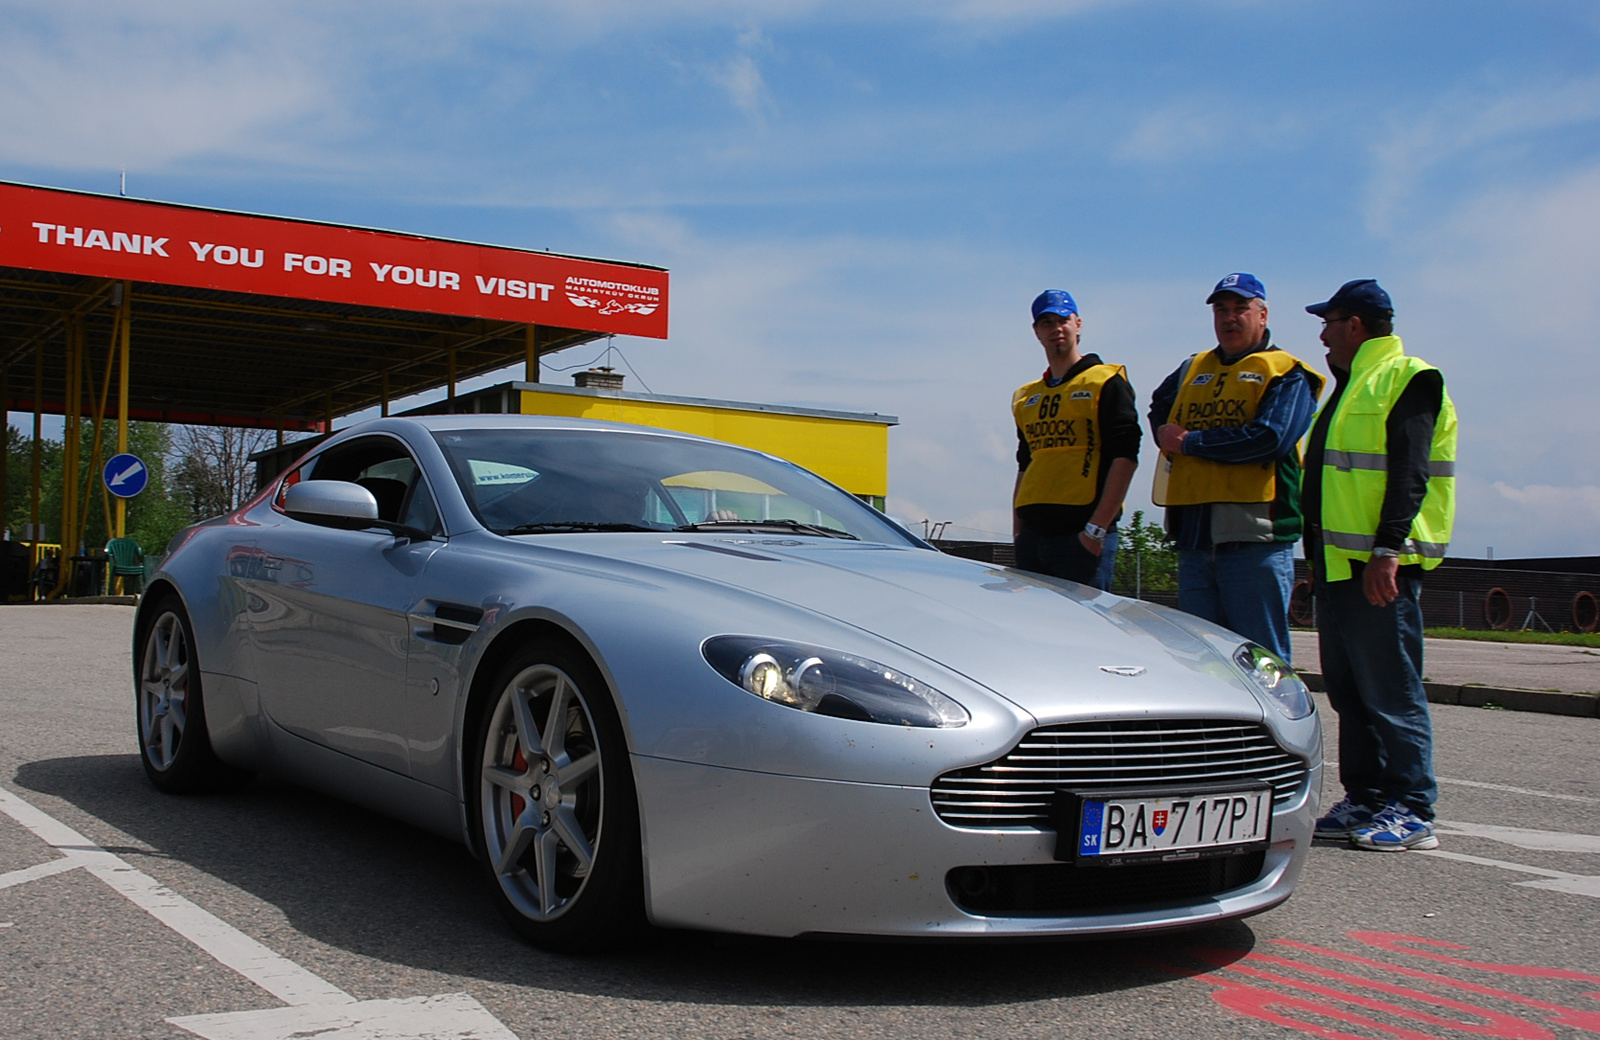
[(1355, 465), (1215, 393), (1061, 426), (1348, 460)]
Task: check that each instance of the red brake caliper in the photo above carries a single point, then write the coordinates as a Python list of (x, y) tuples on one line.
[(518, 803)]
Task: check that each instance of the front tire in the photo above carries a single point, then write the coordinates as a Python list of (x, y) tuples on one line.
[(170, 707), (555, 816)]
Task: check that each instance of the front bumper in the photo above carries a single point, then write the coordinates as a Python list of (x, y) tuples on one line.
[(757, 853)]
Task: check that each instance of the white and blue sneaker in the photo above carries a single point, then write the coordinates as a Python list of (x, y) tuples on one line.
[(1343, 820), (1395, 828)]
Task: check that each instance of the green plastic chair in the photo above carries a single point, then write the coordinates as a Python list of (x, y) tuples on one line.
[(126, 561)]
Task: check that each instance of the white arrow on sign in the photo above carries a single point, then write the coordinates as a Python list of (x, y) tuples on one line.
[(132, 471), (317, 1008)]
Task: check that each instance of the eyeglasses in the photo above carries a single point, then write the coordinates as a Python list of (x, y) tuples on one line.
[(1334, 321)]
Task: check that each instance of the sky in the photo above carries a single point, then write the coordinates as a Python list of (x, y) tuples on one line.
[(857, 201)]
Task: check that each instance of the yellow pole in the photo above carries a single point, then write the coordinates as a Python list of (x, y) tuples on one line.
[(34, 554), (530, 354), (69, 456), (451, 393), (125, 319), (97, 450)]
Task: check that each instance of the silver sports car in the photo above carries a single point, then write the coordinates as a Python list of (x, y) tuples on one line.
[(650, 677)]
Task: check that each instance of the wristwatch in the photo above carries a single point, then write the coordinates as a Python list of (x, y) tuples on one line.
[(1094, 532), (1383, 552)]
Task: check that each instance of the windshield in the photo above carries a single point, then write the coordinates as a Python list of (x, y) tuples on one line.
[(522, 481)]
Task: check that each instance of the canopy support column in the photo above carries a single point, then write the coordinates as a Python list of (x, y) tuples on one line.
[(385, 407), (450, 394), (36, 553), (530, 364), (125, 320)]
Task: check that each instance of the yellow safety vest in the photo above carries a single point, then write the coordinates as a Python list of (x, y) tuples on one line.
[(1355, 463), (1060, 425), (1216, 394)]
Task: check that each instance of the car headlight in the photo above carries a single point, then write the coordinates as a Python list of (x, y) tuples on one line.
[(1273, 677), (827, 682)]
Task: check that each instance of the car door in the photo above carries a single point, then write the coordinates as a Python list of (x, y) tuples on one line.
[(331, 633)]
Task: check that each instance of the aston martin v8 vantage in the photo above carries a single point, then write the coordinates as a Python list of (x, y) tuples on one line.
[(648, 677)]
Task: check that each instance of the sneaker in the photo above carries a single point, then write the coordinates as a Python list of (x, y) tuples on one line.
[(1395, 829), (1343, 820)]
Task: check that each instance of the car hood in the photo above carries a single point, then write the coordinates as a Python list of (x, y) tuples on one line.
[(1056, 649)]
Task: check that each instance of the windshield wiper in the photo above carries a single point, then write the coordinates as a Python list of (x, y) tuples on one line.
[(556, 526), (794, 526)]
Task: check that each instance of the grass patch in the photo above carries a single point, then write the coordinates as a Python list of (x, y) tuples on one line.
[(1553, 638)]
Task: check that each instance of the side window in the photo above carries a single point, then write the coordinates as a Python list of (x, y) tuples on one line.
[(384, 467)]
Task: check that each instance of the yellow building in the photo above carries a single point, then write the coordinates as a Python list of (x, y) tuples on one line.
[(849, 448)]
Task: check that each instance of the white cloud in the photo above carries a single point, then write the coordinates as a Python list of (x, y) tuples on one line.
[(1193, 128), (1462, 127), (1526, 520), (90, 85)]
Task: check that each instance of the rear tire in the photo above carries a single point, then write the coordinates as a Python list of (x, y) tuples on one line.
[(555, 818), (170, 709)]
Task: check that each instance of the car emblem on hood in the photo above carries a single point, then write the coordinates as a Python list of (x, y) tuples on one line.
[(1123, 669)]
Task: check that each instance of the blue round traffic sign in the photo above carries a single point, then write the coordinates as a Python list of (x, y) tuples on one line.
[(126, 475)]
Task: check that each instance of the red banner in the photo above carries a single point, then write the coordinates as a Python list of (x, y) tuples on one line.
[(45, 229)]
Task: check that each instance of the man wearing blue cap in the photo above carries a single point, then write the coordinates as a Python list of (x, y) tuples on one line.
[(1229, 422), (1077, 447), (1379, 504)]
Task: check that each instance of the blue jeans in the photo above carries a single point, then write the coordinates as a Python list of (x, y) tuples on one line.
[(1243, 586), (1060, 556), (1372, 667)]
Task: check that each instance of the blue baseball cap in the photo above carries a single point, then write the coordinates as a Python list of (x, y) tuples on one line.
[(1240, 283), (1362, 296), (1054, 301)]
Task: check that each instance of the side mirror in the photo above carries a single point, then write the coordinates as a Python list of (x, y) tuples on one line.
[(331, 503)]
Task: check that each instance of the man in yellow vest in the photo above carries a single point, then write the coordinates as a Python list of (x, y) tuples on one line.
[(1229, 423), (1379, 501), (1077, 447)]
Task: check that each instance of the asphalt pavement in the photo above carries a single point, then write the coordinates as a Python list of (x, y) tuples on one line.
[(253, 894), (1521, 666)]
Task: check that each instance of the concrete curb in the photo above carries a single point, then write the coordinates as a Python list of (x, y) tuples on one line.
[(1577, 705)]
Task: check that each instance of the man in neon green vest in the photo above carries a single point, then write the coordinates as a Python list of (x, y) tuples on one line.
[(1379, 500)]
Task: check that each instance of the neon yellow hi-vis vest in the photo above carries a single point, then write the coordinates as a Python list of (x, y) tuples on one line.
[(1061, 426), (1215, 394), (1355, 464)]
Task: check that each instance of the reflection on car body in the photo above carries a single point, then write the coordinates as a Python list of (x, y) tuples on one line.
[(650, 677)]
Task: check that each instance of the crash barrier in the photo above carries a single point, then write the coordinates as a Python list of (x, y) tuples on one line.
[(1550, 594)]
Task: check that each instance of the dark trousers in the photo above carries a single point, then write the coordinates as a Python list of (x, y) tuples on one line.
[(1372, 667), (1060, 556)]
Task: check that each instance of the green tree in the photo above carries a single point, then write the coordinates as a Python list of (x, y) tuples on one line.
[(153, 516), (1147, 560)]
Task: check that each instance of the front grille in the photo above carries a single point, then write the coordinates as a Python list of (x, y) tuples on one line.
[(1061, 888), (1017, 790)]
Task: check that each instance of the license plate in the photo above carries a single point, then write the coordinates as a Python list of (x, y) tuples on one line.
[(1118, 827)]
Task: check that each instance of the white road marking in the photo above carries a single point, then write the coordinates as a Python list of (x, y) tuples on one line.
[(1536, 841), (273, 972), (1519, 790), (453, 1017), (43, 870), (317, 1007), (1555, 880)]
